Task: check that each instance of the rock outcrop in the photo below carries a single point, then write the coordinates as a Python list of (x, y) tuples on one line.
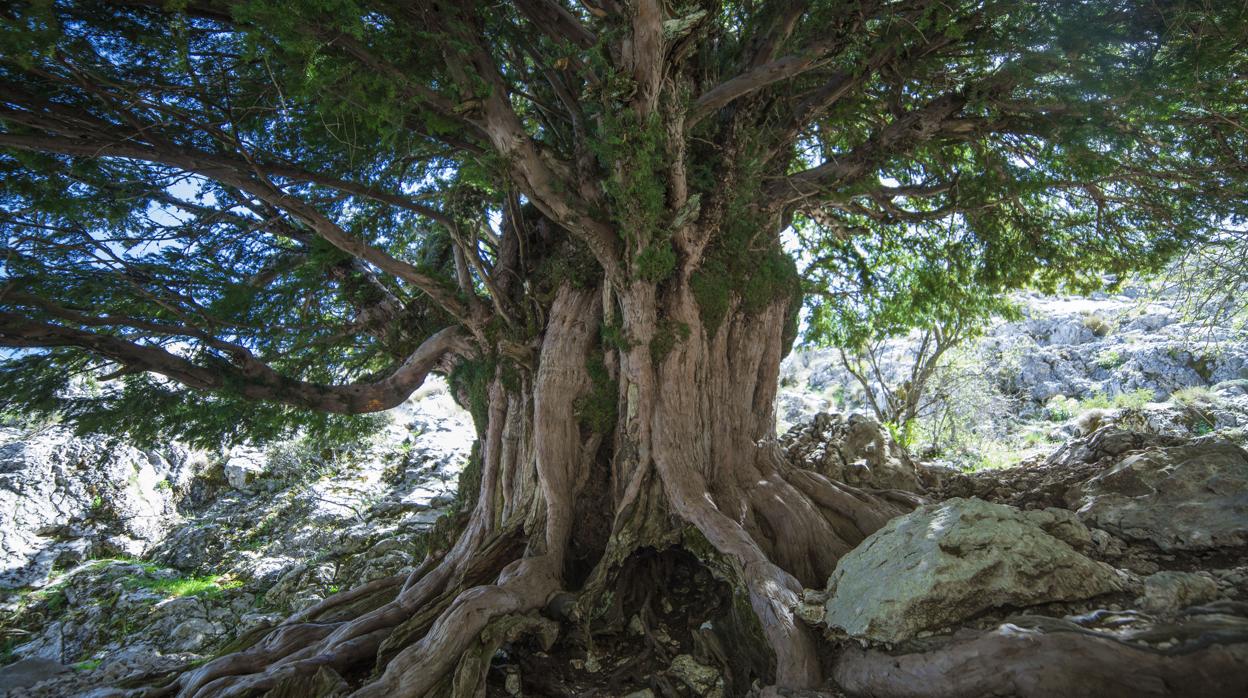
[(854, 449), (232, 553), (1183, 497), (1068, 347), (67, 498)]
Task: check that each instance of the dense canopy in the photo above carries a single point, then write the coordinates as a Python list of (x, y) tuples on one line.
[(603, 221), (265, 199)]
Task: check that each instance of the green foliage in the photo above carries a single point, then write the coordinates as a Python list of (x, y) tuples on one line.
[(1110, 358), (656, 263), (711, 288), (970, 149), (1133, 400), (174, 587), (597, 411), (468, 486), (470, 383), (633, 153), (614, 336), (757, 280), (666, 336), (571, 263), (1060, 408), (87, 665), (904, 434)]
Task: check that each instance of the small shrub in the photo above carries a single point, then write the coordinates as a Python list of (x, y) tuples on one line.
[(1133, 400), (1196, 396), (1035, 438), (1061, 408), (1110, 358), (1098, 324), (995, 456)]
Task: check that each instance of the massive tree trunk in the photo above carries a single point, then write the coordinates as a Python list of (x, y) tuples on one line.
[(632, 429)]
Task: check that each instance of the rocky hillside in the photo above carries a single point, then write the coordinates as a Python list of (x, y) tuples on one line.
[(1019, 389), (1123, 519), (122, 562)]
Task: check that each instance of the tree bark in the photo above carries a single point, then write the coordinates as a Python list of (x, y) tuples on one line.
[(689, 460), (634, 429)]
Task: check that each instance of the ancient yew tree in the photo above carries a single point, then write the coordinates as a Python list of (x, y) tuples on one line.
[(605, 222)]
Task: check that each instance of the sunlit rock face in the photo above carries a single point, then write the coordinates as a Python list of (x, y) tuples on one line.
[(944, 563), (1072, 347), (242, 538), (68, 498)]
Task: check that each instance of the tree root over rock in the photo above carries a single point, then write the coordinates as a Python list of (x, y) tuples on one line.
[(1043, 657)]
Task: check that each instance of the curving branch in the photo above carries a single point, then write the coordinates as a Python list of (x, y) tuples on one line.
[(243, 374), (759, 77), (554, 19), (224, 171), (910, 129)]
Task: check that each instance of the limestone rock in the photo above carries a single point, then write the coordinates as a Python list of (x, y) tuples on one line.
[(28, 672), (854, 449), (702, 679), (64, 495), (1189, 496), (1170, 592), (946, 562)]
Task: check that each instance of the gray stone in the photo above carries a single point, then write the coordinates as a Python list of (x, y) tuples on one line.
[(854, 449), (1170, 592), (702, 679), (56, 487), (243, 473), (28, 672), (192, 634), (946, 562), (1190, 496)]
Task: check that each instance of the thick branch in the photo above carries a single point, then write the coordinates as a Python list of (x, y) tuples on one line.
[(247, 376), (224, 171), (756, 79), (910, 129)]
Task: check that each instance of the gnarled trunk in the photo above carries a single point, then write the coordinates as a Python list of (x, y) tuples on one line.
[(635, 428)]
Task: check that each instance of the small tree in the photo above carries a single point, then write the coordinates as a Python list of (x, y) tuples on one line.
[(253, 214), (900, 402)]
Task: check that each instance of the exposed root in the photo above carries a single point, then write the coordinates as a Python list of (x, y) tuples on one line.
[(524, 586), (1030, 661)]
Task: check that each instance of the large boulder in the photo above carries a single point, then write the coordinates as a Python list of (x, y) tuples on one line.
[(946, 562), (1190, 496)]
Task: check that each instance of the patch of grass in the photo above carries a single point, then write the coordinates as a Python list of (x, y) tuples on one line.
[(1133, 400), (1196, 396), (87, 665), (174, 587), (995, 456), (1110, 358), (1035, 438)]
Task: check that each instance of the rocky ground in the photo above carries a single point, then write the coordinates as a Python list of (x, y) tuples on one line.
[(120, 562), (1125, 522)]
